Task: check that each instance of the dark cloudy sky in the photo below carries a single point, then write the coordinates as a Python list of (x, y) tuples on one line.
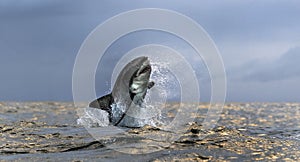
[(259, 42)]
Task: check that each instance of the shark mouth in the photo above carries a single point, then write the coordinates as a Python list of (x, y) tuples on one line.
[(145, 70)]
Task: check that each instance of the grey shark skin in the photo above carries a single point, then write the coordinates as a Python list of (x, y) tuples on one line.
[(131, 86)]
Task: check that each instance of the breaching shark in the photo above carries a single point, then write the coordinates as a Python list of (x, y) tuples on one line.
[(130, 88)]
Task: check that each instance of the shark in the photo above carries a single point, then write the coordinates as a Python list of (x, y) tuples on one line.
[(130, 88)]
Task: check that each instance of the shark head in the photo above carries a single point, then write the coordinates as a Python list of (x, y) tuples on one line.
[(140, 79), (133, 80), (139, 82)]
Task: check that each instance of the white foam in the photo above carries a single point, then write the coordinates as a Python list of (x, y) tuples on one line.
[(93, 117)]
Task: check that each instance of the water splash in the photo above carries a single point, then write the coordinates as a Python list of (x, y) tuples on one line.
[(93, 118)]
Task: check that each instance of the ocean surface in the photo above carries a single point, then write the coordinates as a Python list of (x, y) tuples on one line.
[(35, 131)]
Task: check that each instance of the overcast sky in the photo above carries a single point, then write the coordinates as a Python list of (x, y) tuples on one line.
[(259, 42)]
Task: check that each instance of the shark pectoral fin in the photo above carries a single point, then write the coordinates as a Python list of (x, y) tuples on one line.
[(150, 84), (103, 103)]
